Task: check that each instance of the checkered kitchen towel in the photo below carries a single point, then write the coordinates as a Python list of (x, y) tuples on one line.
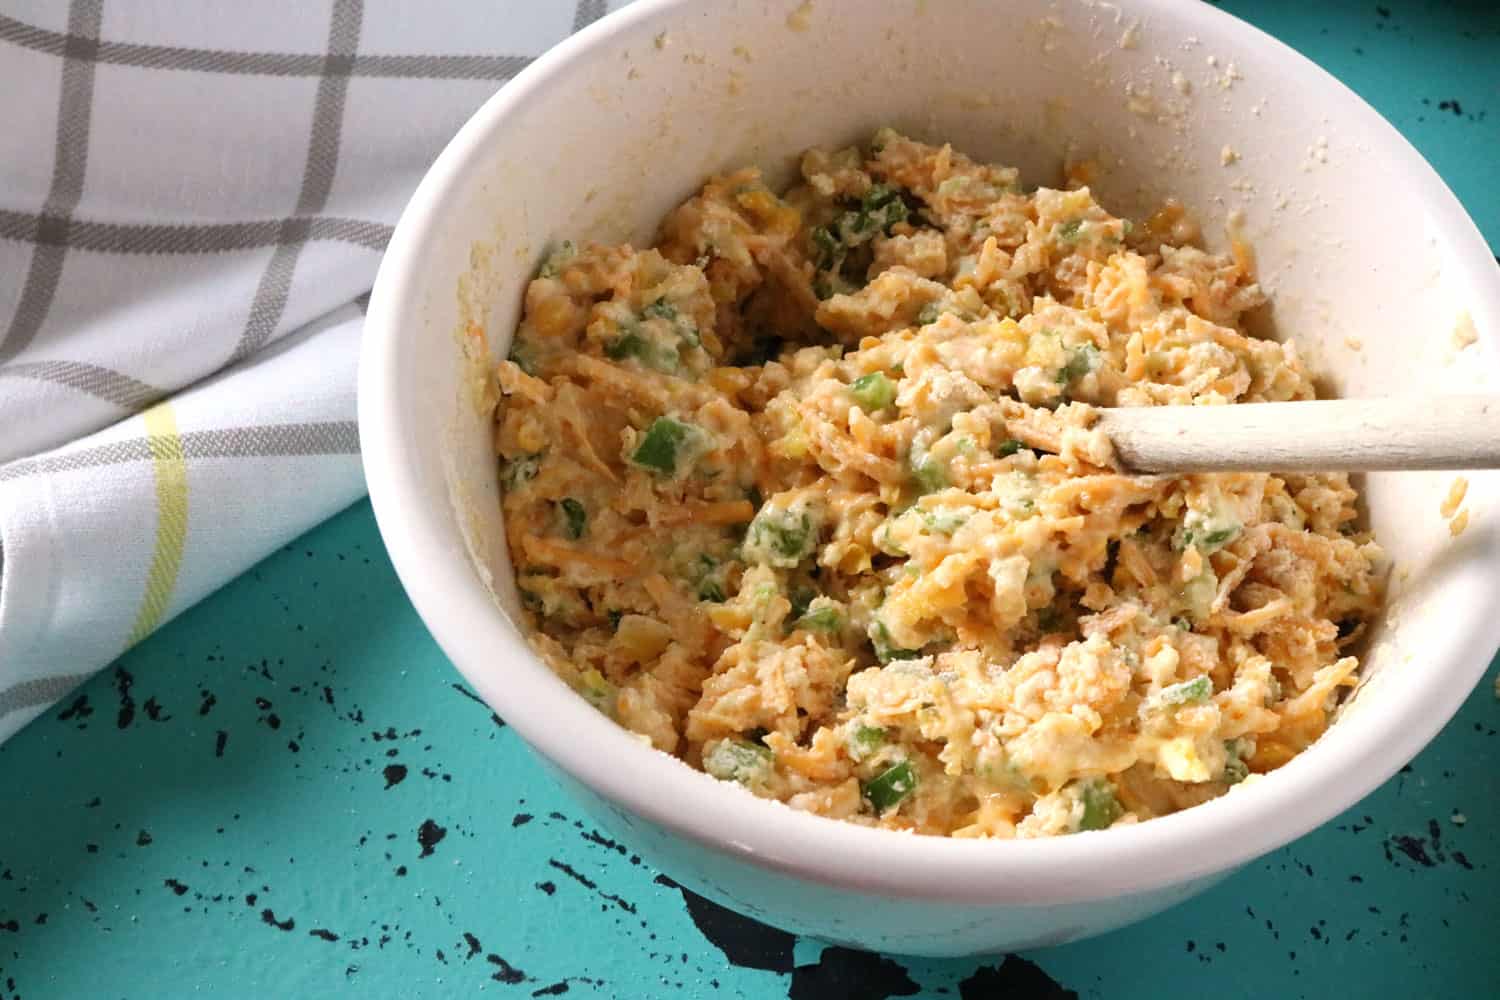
[(193, 201)]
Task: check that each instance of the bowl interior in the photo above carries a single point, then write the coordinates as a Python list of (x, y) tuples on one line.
[(1369, 260)]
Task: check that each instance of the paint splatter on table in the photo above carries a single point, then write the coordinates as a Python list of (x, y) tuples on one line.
[(288, 792)]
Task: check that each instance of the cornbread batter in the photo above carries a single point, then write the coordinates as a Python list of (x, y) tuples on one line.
[(807, 495)]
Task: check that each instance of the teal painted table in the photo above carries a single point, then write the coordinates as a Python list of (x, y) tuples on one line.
[(288, 792)]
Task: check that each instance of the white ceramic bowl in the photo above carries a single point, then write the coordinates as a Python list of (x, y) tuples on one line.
[(1357, 238)]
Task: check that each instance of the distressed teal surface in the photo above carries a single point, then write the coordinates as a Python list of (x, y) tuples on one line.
[(288, 792)]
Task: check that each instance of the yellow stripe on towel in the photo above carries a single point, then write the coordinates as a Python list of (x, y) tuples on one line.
[(171, 517)]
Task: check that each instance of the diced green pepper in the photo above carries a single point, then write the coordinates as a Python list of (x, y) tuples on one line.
[(576, 519), (1008, 448), (887, 789), (663, 444), (739, 760), (873, 391), (1100, 807)]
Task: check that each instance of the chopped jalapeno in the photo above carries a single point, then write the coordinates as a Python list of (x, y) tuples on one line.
[(1100, 807), (885, 650), (709, 577), (598, 691), (824, 619), (781, 536), (944, 522), (826, 285), (1235, 768), (576, 518), (929, 314), (739, 760), (633, 345), (873, 391), (1009, 448), (557, 259), (1185, 693), (880, 208), (660, 309), (521, 356), (1208, 531), (885, 543), (929, 476), (865, 740), (1081, 361), (517, 472), (827, 246), (886, 790), (1211, 540), (665, 442), (1070, 230), (800, 598)]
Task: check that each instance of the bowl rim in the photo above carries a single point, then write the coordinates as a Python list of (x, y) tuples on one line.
[(435, 570)]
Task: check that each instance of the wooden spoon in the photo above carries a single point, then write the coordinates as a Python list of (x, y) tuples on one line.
[(1333, 435)]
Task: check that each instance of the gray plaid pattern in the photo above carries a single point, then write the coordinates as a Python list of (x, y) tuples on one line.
[(421, 67), (55, 231), (587, 12), (261, 441), (66, 228), (149, 238), (73, 119), (127, 393), (42, 691), (317, 178)]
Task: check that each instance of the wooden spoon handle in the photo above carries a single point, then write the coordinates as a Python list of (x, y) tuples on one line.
[(1334, 435)]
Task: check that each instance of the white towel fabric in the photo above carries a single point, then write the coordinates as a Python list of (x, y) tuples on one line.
[(193, 201)]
